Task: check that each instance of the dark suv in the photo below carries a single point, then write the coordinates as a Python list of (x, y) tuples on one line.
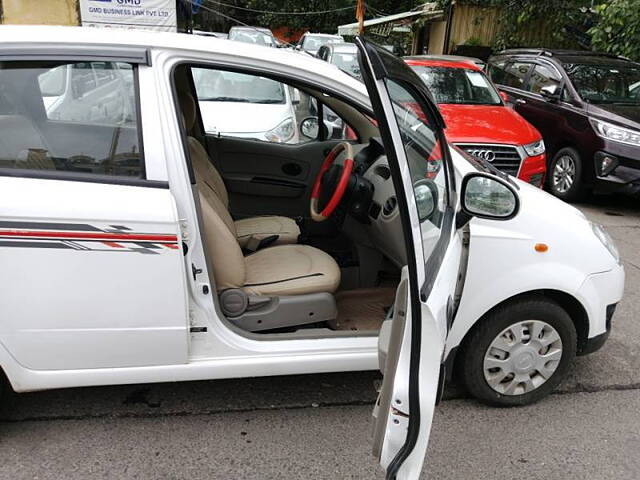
[(586, 105)]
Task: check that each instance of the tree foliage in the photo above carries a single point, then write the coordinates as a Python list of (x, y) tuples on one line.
[(617, 28)]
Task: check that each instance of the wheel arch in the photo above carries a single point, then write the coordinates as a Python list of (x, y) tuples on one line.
[(566, 301)]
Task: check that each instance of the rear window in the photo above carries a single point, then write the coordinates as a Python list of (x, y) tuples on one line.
[(78, 117)]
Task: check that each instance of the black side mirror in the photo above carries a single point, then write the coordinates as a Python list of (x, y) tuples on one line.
[(487, 196)]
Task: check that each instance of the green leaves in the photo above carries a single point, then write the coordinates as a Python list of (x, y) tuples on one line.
[(617, 28)]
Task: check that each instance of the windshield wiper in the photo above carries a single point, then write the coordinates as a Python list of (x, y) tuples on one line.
[(265, 100), (223, 99)]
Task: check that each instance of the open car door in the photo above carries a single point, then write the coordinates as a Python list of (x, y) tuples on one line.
[(412, 340)]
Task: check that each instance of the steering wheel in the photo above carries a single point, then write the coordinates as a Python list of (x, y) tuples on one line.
[(328, 176)]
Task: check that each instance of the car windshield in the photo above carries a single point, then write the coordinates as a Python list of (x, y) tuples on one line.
[(219, 86), (606, 84), (458, 85), (252, 36), (314, 43), (347, 62)]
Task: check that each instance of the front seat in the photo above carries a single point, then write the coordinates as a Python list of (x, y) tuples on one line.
[(274, 271), (249, 232)]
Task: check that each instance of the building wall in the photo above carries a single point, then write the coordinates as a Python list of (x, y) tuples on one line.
[(436, 37), (472, 22), (40, 12)]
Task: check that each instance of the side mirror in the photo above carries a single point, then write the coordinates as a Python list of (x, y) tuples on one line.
[(310, 127), (550, 92), (487, 196), (505, 97), (426, 195)]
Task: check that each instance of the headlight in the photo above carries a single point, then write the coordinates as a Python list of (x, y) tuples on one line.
[(606, 240), (615, 133), (283, 132), (535, 148)]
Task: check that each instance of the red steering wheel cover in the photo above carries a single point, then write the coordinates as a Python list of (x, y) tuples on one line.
[(338, 193)]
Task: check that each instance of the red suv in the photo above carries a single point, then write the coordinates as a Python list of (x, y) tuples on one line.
[(479, 122)]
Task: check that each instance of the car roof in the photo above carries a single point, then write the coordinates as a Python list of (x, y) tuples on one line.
[(330, 35), (424, 61), (584, 57), (237, 52)]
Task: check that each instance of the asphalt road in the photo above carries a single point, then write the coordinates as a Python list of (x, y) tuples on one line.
[(318, 426)]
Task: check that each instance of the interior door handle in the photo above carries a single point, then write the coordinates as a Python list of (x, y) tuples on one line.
[(520, 101), (292, 169)]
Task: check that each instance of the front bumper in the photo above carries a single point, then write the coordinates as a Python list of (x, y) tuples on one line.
[(625, 177), (600, 293)]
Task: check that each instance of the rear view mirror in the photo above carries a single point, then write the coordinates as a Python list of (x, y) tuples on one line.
[(488, 196)]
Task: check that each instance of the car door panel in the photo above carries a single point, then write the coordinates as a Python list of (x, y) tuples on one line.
[(93, 275), (268, 178), (413, 371)]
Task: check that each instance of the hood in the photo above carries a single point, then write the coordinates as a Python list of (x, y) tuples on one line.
[(486, 124), (241, 117), (625, 115)]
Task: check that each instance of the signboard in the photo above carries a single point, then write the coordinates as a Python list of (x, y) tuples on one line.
[(140, 14)]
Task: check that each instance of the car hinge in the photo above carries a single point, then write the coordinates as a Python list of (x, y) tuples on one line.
[(184, 229), (399, 413)]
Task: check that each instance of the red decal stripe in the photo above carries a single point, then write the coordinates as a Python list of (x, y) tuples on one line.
[(171, 245), (123, 237), (113, 244)]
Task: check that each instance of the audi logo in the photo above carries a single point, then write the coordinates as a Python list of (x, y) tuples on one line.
[(488, 155)]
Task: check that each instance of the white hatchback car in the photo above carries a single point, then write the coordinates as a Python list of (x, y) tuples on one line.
[(141, 249)]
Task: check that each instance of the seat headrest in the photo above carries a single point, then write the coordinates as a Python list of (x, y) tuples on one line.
[(188, 106)]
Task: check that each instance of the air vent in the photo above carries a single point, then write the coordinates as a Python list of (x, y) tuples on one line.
[(389, 206), (383, 171)]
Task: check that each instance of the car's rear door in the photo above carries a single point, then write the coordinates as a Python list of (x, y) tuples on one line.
[(412, 341), (90, 247)]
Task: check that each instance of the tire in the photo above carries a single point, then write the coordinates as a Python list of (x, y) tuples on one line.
[(520, 366), (565, 176)]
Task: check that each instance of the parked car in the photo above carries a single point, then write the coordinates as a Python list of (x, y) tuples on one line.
[(311, 42), (210, 34), (587, 108), (257, 35), (145, 276), (479, 122), (342, 55), (481, 64), (246, 106)]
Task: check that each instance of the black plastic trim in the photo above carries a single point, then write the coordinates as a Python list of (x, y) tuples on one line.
[(82, 177), (75, 53)]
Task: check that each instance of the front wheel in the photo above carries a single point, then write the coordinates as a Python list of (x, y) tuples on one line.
[(565, 175), (519, 353)]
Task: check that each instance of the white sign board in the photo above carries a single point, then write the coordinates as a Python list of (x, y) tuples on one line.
[(139, 14)]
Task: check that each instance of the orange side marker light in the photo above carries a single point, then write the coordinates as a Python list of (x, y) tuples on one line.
[(541, 247)]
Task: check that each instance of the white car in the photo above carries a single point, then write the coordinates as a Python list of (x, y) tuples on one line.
[(311, 42), (246, 106), (411, 257)]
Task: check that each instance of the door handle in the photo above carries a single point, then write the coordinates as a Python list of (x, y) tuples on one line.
[(520, 101), (292, 169)]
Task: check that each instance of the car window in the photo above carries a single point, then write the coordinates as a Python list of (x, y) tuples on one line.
[(543, 76), (425, 161), (515, 74), (458, 85), (606, 84), (68, 117), (250, 106)]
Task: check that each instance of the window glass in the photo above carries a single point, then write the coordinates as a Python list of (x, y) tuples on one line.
[(249, 106), (495, 71), (68, 117), (515, 74), (543, 76), (458, 85), (425, 161), (606, 84)]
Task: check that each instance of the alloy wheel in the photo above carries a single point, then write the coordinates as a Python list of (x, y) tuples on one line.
[(522, 357), (564, 174)]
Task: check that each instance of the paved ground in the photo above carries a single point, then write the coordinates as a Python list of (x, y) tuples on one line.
[(317, 426)]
